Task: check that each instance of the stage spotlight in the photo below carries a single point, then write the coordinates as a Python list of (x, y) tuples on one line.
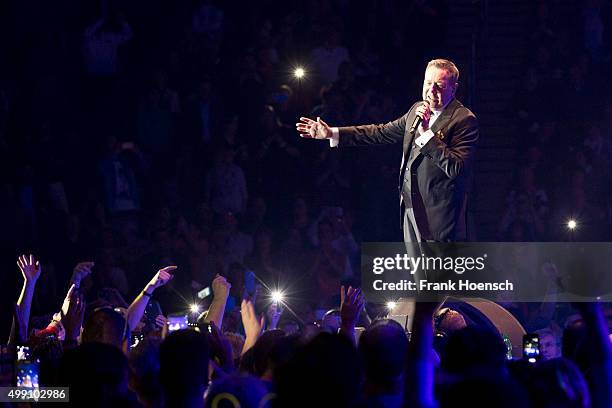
[(195, 308), (391, 305), (299, 73), (572, 224)]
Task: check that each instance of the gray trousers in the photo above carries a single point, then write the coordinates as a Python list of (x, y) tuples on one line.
[(410, 227), (412, 240)]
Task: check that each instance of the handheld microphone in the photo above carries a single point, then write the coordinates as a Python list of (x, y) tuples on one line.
[(417, 120)]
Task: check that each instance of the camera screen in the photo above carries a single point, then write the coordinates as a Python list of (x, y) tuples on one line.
[(204, 293), (27, 374), (177, 323), (531, 349)]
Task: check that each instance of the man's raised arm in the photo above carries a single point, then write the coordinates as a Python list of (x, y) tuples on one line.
[(387, 133)]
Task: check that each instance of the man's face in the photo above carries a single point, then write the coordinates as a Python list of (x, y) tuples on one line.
[(549, 348), (438, 87)]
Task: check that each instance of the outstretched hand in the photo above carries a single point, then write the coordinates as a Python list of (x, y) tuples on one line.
[(313, 129), (351, 304), (29, 267)]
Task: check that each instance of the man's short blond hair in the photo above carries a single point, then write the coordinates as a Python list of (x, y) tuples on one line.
[(446, 65)]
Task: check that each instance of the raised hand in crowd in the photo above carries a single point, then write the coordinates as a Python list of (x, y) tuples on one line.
[(253, 324), (137, 308), (29, 267), (351, 305), (221, 289), (221, 357), (163, 276), (30, 270), (72, 320), (81, 271)]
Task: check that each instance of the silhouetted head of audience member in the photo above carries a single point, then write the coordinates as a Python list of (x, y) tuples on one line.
[(289, 325), (483, 392), (561, 385), (236, 341), (330, 322), (330, 365), (144, 368), (184, 357), (553, 383), (48, 350), (474, 349), (283, 350), (247, 362), (105, 325), (220, 352), (262, 348), (575, 344), (97, 375), (383, 347), (237, 390), (448, 321)]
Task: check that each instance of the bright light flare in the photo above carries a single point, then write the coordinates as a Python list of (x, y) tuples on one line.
[(391, 305), (299, 73), (572, 224), (277, 296), (195, 308)]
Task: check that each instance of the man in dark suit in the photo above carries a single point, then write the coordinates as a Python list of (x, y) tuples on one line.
[(437, 164)]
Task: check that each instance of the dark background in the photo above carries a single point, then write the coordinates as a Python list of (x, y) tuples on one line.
[(536, 73)]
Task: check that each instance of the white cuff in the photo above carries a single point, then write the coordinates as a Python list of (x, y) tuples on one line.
[(335, 139), (424, 138)]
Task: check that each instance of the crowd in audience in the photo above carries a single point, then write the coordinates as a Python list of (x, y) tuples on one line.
[(141, 137), (112, 356), (564, 118)]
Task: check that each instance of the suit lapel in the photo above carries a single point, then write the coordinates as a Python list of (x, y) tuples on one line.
[(445, 116), (408, 140)]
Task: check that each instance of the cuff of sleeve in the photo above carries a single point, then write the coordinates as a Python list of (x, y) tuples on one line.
[(424, 138), (54, 328), (335, 139)]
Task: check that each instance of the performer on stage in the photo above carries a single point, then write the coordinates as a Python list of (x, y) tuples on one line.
[(437, 164)]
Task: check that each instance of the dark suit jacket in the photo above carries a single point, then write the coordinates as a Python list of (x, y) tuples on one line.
[(440, 175)]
